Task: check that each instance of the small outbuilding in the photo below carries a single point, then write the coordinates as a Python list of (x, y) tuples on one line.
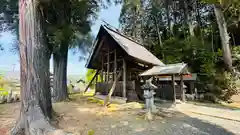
[(116, 57), (120, 60), (170, 80)]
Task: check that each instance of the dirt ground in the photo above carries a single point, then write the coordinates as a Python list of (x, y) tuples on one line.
[(83, 117)]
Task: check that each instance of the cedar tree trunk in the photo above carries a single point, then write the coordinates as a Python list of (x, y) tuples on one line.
[(167, 3), (36, 106), (60, 92), (222, 25)]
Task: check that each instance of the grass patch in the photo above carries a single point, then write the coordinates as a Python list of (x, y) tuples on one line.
[(3, 93), (234, 106), (95, 100)]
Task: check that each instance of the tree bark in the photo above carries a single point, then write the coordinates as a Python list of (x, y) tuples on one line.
[(188, 19), (159, 38), (36, 106), (222, 25), (168, 18), (60, 92), (198, 18)]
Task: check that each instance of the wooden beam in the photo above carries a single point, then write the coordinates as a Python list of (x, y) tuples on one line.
[(102, 69), (108, 98), (109, 53), (108, 65), (115, 65), (99, 47), (105, 63), (91, 81), (181, 88), (174, 89), (124, 78), (96, 78)]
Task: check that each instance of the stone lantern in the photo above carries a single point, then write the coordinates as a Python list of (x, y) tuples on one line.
[(149, 93)]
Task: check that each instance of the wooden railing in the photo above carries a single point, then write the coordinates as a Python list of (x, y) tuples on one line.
[(132, 95)]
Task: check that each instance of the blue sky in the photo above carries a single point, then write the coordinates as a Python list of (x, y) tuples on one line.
[(9, 61)]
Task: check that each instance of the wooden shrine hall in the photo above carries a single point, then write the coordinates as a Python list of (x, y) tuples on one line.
[(116, 57)]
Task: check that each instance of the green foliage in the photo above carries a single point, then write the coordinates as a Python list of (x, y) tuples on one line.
[(224, 86), (70, 22), (210, 97), (3, 86), (89, 75), (165, 31), (91, 132)]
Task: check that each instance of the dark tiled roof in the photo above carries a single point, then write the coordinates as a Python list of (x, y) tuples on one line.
[(130, 46), (133, 48)]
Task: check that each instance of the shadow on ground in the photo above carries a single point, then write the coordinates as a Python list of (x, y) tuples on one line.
[(81, 117)]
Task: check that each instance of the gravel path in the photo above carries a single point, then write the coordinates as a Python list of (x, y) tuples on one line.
[(222, 117), (180, 126), (131, 123), (82, 117), (230, 125)]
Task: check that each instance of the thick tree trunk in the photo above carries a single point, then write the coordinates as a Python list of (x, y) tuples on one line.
[(168, 18), (188, 19), (222, 25), (36, 106), (198, 18), (159, 38), (60, 92)]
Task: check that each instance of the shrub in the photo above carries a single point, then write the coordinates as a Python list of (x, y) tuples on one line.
[(224, 86), (210, 97)]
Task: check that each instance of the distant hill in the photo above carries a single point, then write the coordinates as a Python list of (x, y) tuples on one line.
[(75, 78), (11, 75), (15, 75)]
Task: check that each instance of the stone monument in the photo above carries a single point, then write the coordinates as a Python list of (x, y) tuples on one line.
[(149, 93)]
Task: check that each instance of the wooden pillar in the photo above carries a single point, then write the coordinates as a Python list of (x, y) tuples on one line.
[(174, 89), (124, 78), (97, 78), (181, 88), (108, 65), (115, 69), (91, 81), (115, 65), (191, 87), (130, 75), (105, 76), (102, 69)]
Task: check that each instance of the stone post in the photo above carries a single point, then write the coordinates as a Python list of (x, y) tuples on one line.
[(152, 105), (149, 93), (9, 97)]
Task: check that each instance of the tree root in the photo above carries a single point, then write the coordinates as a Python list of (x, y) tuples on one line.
[(33, 122)]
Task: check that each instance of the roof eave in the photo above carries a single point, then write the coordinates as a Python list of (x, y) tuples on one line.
[(93, 48)]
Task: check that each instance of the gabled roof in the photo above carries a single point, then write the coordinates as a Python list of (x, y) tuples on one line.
[(189, 77), (133, 48), (130, 46), (170, 69)]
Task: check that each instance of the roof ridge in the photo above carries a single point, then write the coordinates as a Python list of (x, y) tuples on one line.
[(122, 34)]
